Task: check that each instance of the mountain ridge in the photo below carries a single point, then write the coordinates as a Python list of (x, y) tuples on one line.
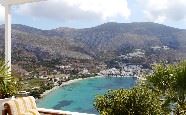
[(97, 41)]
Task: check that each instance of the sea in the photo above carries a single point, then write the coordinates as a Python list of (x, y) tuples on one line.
[(79, 96)]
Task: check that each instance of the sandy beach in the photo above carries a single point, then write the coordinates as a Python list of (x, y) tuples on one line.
[(48, 91), (72, 81), (66, 83), (76, 80)]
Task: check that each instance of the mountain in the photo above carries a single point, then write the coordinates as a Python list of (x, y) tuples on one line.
[(106, 40)]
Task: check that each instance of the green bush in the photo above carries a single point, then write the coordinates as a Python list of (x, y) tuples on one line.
[(136, 101), (8, 84), (162, 92), (170, 82)]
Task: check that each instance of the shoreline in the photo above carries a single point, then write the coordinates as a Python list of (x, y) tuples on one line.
[(74, 81), (65, 84)]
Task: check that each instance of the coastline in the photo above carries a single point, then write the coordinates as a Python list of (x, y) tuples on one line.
[(76, 80), (65, 84), (73, 81)]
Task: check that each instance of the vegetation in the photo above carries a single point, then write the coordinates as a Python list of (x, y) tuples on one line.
[(163, 92), (8, 84), (137, 101), (35, 47), (37, 86), (169, 81)]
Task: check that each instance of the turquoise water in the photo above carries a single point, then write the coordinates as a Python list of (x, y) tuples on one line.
[(79, 96)]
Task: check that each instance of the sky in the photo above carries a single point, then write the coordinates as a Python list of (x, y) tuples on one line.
[(52, 14)]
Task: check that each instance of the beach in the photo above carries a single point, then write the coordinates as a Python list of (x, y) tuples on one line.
[(66, 83), (70, 97), (73, 81)]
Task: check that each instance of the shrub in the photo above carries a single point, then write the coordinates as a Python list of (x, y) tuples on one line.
[(136, 101), (170, 82), (8, 84), (163, 92)]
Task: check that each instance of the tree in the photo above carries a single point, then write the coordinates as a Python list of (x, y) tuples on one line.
[(170, 82), (162, 78), (180, 88), (136, 101), (162, 92)]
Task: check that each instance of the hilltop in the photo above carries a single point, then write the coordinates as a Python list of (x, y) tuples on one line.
[(101, 43)]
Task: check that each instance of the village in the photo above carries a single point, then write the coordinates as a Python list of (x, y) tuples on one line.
[(37, 85), (46, 79), (53, 73)]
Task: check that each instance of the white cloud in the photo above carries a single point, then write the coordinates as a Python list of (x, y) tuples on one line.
[(70, 10), (2, 10), (164, 10)]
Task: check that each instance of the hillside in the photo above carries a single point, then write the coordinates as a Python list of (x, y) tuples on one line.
[(106, 40)]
